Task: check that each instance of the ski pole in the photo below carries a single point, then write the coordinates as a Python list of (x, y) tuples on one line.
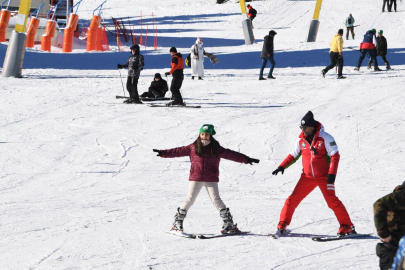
[(122, 83)]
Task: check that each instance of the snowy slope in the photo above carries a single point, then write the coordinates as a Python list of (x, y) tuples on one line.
[(81, 188)]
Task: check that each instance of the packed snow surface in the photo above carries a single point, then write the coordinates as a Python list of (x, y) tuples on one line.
[(81, 188)]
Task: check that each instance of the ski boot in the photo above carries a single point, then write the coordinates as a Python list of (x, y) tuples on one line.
[(341, 77), (178, 220), (282, 226), (128, 101), (377, 69), (388, 67), (356, 69), (200, 78), (261, 79), (345, 230), (323, 72), (270, 77), (228, 226), (192, 77)]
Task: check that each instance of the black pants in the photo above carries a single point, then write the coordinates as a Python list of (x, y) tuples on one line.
[(386, 252), (153, 93), (351, 28), (388, 5), (387, 64), (175, 86), (132, 87), (335, 59), (395, 5)]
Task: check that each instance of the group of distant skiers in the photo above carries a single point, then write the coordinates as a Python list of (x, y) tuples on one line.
[(389, 4)]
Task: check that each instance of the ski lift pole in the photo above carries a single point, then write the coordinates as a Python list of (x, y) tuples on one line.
[(99, 7)]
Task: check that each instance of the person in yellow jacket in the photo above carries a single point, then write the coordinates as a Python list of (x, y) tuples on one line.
[(336, 55)]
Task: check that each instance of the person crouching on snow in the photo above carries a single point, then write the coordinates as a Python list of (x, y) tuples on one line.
[(157, 89), (197, 59), (205, 154)]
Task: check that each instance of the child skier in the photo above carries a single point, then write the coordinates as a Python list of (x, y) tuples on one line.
[(205, 154)]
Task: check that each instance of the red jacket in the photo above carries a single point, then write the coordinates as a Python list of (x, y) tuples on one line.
[(316, 163), (206, 168), (177, 63)]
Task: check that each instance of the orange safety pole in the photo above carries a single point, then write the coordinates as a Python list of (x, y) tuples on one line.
[(69, 31), (31, 31), (146, 35), (140, 38), (49, 34), (99, 39), (4, 20), (92, 34)]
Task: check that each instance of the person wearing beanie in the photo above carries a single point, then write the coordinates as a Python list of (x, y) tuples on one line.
[(349, 26), (205, 153), (157, 88), (251, 14), (336, 55), (267, 55), (381, 50), (389, 220), (177, 65), (320, 160), (134, 64), (368, 45), (197, 53)]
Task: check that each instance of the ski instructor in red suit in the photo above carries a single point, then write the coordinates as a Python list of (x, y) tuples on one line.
[(320, 160)]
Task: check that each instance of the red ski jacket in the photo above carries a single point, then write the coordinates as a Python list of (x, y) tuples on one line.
[(318, 159), (206, 168), (177, 63)]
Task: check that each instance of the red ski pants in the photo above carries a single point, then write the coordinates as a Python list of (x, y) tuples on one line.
[(305, 186)]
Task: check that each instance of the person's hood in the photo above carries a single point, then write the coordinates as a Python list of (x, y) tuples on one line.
[(266, 36), (339, 36), (399, 193)]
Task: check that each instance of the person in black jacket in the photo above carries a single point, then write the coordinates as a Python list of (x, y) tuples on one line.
[(381, 50), (386, 2), (134, 64), (267, 55), (395, 5), (252, 14), (157, 88)]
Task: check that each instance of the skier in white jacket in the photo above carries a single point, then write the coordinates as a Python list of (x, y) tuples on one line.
[(197, 59)]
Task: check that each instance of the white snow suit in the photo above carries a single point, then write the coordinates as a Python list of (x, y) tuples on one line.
[(197, 60)]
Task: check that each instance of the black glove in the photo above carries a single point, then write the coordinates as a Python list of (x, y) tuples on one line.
[(167, 74), (119, 66), (158, 151), (279, 169), (253, 160), (331, 178)]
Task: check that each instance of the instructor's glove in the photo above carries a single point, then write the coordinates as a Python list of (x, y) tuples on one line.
[(158, 151), (279, 169), (119, 66), (167, 74), (331, 178), (253, 160)]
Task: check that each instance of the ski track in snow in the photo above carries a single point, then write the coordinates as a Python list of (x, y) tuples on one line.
[(81, 188)]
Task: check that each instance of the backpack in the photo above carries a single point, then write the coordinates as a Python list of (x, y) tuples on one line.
[(188, 60), (253, 12), (349, 21)]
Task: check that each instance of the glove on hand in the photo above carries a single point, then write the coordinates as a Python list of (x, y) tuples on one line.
[(119, 66), (331, 178), (279, 169), (167, 74), (158, 151), (253, 160)]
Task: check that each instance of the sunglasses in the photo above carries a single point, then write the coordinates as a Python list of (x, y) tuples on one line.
[(303, 127)]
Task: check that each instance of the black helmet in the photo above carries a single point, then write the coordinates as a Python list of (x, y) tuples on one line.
[(134, 47)]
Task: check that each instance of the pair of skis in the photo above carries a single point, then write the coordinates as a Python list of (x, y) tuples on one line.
[(202, 236), (160, 105), (280, 233)]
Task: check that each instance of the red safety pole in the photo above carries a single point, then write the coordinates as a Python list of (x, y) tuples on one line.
[(146, 36), (140, 38)]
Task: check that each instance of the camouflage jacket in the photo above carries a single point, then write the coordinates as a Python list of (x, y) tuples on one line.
[(389, 215), (135, 64)]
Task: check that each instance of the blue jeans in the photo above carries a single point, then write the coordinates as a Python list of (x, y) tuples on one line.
[(371, 52), (264, 64)]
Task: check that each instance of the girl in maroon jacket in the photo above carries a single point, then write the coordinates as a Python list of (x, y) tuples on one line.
[(205, 154)]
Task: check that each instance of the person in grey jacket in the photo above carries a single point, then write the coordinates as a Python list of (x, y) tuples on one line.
[(267, 55), (134, 64), (349, 25)]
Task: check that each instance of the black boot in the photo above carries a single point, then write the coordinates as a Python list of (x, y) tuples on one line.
[(192, 77), (200, 78), (178, 220), (228, 226), (135, 98)]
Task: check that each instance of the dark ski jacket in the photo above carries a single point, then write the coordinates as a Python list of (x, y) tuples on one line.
[(159, 86), (268, 47), (206, 168), (177, 65), (252, 13), (382, 46), (389, 215), (135, 64)]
